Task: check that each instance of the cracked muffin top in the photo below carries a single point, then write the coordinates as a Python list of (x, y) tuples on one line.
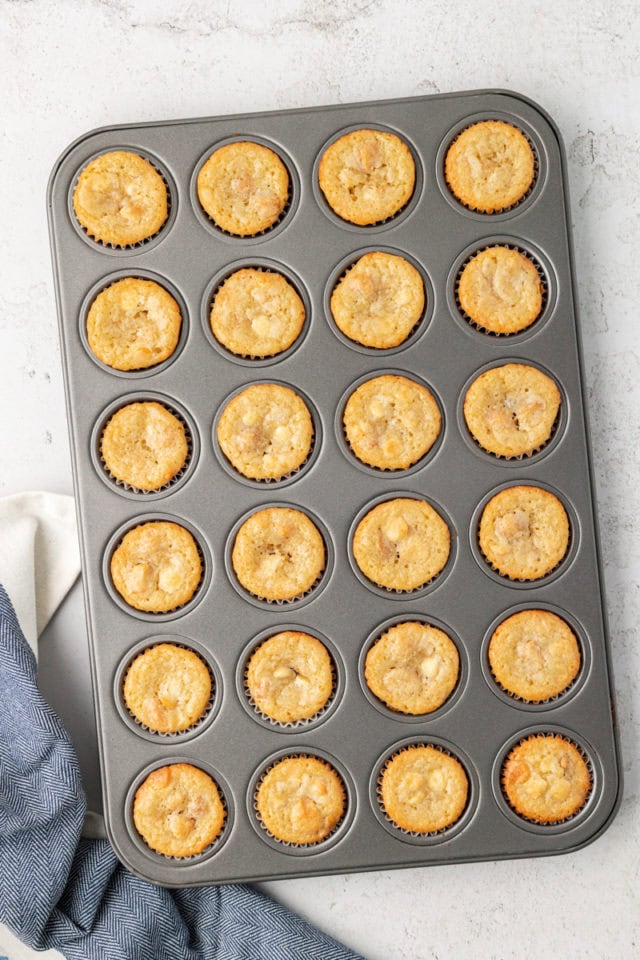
[(501, 291), (133, 324), (256, 313), (278, 553), (266, 431), (178, 810), (243, 187), (511, 410), (120, 199), (367, 176), (402, 544), (490, 166), (524, 532), (290, 676)]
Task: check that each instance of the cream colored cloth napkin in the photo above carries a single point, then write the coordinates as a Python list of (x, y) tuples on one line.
[(39, 556), (39, 562)]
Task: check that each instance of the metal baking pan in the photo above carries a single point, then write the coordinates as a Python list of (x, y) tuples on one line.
[(311, 245)]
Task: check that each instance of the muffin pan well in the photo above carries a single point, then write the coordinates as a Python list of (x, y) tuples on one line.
[(180, 477), (312, 247), (215, 699)]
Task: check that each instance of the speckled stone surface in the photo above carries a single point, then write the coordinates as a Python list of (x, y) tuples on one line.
[(581, 61)]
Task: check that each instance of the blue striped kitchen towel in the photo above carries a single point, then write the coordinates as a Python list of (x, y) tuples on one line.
[(60, 891)]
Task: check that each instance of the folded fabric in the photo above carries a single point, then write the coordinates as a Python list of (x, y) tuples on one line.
[(39, 556), (60, 891)]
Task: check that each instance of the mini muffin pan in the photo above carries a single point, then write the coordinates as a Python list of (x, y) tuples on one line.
[(312, 247)]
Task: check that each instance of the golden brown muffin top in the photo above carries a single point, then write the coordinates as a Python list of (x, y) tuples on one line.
[(524, 532), (266, 431), (534, 655), (167, 688), (501, 291), (257, 313), (490, 166), (379, 300), (178, 810), (367, 176), (144, 445), (423, 789), (413, 667), (156, 567), (278, 553), (546, 778), (402, 544), (511, 409), (290, 676), (243, 187), (120, 198), (133, 324), (391, 421), (301, 800)]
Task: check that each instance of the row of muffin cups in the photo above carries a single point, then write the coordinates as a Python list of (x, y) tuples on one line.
[(290, 201), (458, 761), (566, 674), (126, 486), (530, 255), (562, 556)]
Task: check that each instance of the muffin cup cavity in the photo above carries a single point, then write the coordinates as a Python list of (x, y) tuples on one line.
[(549, 703), (109, 281), (434, 836), (265, 266), (559, 826), (287, 212), (389, 593), (534, 256), (419, 328), (560, 568), (127, 489), (385, 472), (287, 846), (292, 475), (205, 559), (380, 225), (226, 797), (289, 726), (128, 249), (303, 598), (454, 696), (557, 430), (539, 166), (211, 710)]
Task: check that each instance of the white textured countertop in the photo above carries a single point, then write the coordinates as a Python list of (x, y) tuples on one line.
[(66, 67)]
